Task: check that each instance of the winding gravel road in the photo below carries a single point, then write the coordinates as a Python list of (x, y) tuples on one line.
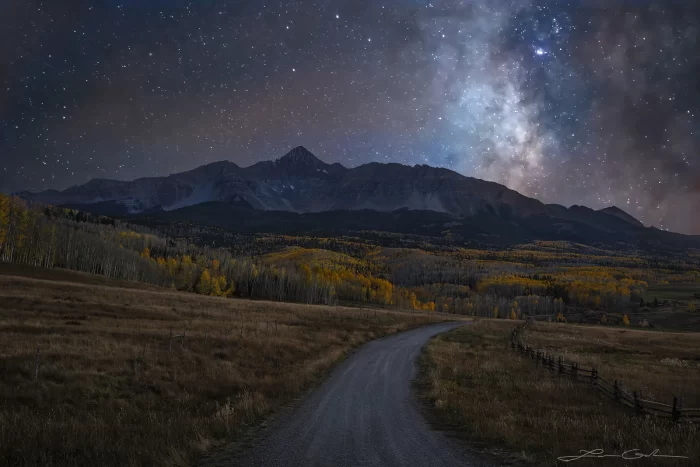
[(365, 414)]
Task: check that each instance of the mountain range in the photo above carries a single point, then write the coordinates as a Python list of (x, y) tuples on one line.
[(299, 191)]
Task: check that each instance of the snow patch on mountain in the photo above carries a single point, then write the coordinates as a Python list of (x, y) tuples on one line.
[(201, 193)]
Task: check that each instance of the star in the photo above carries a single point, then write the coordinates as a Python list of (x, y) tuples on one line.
[(562, 103)]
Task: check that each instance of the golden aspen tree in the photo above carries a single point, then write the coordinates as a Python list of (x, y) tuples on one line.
[(215, 289), (173, 266), (4, 218), (204, 285), (187, 266), (414, 301), (22, 227), (231, 288)]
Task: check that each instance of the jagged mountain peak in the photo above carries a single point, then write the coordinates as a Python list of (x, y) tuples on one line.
[(300, 182), (299, 157), (620, 214)]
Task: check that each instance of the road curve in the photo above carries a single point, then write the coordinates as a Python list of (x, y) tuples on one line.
[(364, 415)]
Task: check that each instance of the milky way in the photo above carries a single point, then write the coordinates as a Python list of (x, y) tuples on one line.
[(593, 103)]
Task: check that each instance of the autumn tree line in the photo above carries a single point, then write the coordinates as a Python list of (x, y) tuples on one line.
[(406, 278), (53, 237), (29, 236)]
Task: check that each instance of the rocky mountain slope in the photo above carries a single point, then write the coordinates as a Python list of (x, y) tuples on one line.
[(301, 183)]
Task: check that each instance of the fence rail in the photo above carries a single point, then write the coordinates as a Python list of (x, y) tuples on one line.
[(613, 390)]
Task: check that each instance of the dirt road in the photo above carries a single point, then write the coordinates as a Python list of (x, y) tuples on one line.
[(364, 415)]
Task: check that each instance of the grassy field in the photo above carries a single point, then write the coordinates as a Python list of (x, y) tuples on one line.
[(659, 364), (501, 402), (112, 388), (679, 307), (679, 292)]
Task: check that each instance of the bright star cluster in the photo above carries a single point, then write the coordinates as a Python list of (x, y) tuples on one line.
[(593, 102)]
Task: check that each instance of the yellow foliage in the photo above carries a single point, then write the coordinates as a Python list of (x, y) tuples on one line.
[(24, 218), (204, 286), (4, 218), (172, 266)]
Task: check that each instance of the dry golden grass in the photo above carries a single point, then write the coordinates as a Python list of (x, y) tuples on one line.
[(501, 401), (659, 364), (109, 391)]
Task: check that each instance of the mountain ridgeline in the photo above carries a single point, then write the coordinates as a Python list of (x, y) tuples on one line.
[(301, 194)]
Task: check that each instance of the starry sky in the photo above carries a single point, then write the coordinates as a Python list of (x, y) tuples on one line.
[(571, 102)]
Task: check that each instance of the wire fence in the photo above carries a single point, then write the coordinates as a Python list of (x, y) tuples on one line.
[(613, 390)]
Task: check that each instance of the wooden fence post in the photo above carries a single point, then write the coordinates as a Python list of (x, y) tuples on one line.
[(561, 365), (36, 364), (616, 391), (637, 403), (574, 370), (594, 376), (675, 414), (170, 341)]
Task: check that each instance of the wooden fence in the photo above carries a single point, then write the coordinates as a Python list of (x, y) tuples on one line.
[(573, 370)]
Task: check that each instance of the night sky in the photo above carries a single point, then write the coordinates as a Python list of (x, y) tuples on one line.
[(573, 102)]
